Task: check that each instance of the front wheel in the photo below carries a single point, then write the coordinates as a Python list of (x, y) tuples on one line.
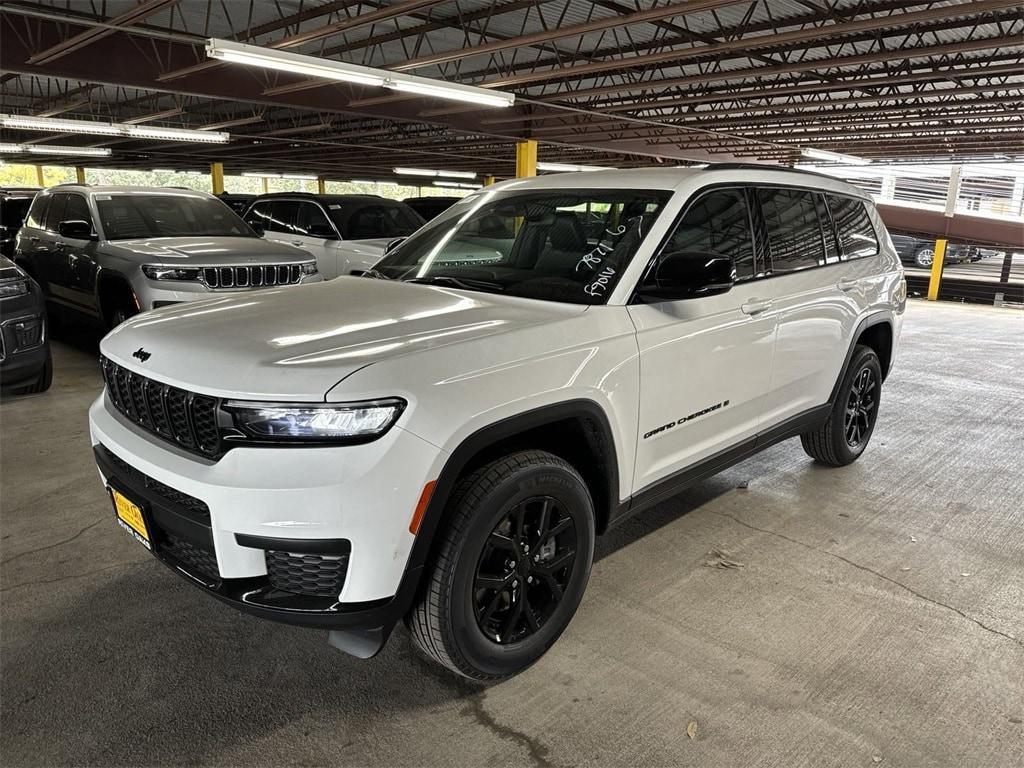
[(511, 569), (845, 433)]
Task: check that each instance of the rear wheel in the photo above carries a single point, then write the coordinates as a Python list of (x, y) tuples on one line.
[(845, 433), (511, 569), (924, 257)]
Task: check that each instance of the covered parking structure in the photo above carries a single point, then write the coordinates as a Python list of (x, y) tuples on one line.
[(777, 614)]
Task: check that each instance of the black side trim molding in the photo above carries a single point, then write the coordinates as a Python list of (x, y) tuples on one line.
[(712, 465), (302, 546)]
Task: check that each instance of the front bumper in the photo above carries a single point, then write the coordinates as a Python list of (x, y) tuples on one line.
[(22, 359), (337, 503)]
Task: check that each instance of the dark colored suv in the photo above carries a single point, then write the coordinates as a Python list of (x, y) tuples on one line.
[(14, 205), (25, 364)]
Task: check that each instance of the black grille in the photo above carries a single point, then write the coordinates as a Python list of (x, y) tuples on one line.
[(185, 418), (195, 558), (252, 277), (301, 574)]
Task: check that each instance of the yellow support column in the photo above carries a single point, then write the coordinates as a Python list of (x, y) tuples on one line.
[(526, 158), (39, 176), (217, 177), (266, 185), (936, 276), (321, 187), (488, 180), (80, 174)]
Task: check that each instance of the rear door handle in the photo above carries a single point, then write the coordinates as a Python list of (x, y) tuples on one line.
[(756, 306), (847, 283)]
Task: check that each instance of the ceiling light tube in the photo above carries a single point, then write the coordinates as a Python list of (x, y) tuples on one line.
[(300, 176), (568, 168), (94, 127), (176, 134), (456, 184), (52, 149), (31, 123), (834, 157), (296, 63), (314, 66), (261, 174), (422, 86), (435, 174)]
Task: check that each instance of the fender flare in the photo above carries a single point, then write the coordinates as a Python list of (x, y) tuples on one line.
[(875, 318), (435, 514)]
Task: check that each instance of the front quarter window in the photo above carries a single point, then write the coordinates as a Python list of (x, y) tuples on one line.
[(558, 245)]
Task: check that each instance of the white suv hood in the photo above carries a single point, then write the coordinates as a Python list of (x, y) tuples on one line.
[(296, 343), (206, 251)]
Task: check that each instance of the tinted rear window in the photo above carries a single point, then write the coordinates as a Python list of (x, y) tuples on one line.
[(13, 211), (367, 222), (794, 233), (857, 237)]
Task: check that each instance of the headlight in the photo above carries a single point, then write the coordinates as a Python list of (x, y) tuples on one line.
[(308, 268), (157, 272), (17, 286), (342, 422)]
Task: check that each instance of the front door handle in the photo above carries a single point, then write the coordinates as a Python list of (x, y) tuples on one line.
[(755, 306), (847, 283), (296, 242)]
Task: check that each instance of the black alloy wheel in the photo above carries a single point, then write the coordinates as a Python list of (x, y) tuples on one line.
[(524, 570), (861, 407)]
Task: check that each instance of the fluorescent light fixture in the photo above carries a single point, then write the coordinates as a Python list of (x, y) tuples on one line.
[(176, 134), (300, 64), (302, 176), (30, 123), (834, 157), (568, 168), (51, 149), (296, 63), (435, 174), (423, 86), (95, 127), (382, 183), (457, 185), (164, 170), (275, 175)]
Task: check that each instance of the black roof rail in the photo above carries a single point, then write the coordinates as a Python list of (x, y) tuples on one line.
[(70, 184), (765, 167), (317, 195)]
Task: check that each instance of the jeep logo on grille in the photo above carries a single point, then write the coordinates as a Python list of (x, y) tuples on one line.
[(142, 354)]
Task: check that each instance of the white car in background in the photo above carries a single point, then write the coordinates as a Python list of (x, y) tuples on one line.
[(347, 234)]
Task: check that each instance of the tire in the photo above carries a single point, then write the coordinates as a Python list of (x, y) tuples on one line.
[(42, 383), (489, 607), (844, 435), (118, 314), (924, 257)]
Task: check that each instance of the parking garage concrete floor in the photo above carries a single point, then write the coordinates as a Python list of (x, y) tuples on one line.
[(875, 616)]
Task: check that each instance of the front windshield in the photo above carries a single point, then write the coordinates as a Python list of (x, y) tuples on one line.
[(558, 245), (131, 216)]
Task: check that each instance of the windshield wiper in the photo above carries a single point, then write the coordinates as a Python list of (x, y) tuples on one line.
[(466, 283), (376, 274)]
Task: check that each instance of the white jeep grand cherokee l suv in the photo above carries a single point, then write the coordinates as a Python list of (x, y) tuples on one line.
[(441, 443)]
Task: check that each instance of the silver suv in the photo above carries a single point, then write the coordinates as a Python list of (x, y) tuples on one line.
[(111, 252)]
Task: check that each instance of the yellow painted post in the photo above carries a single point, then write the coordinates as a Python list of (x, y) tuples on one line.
[(321, 187), (488, 180), (526, 158), (217, 177), (266, 185), (39, 176), (936, 277), (80, 174)]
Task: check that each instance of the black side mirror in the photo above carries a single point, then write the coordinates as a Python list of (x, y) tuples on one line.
[(75, 230), (325, 231), (688, 275), (393, 244)]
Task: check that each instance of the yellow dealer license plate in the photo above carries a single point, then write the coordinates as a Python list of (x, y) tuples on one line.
[(129, 516)]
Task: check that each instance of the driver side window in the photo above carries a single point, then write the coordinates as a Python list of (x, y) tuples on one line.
[(719, 222)]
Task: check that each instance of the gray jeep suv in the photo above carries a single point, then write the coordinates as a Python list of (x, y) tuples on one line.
[(110, 252)]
